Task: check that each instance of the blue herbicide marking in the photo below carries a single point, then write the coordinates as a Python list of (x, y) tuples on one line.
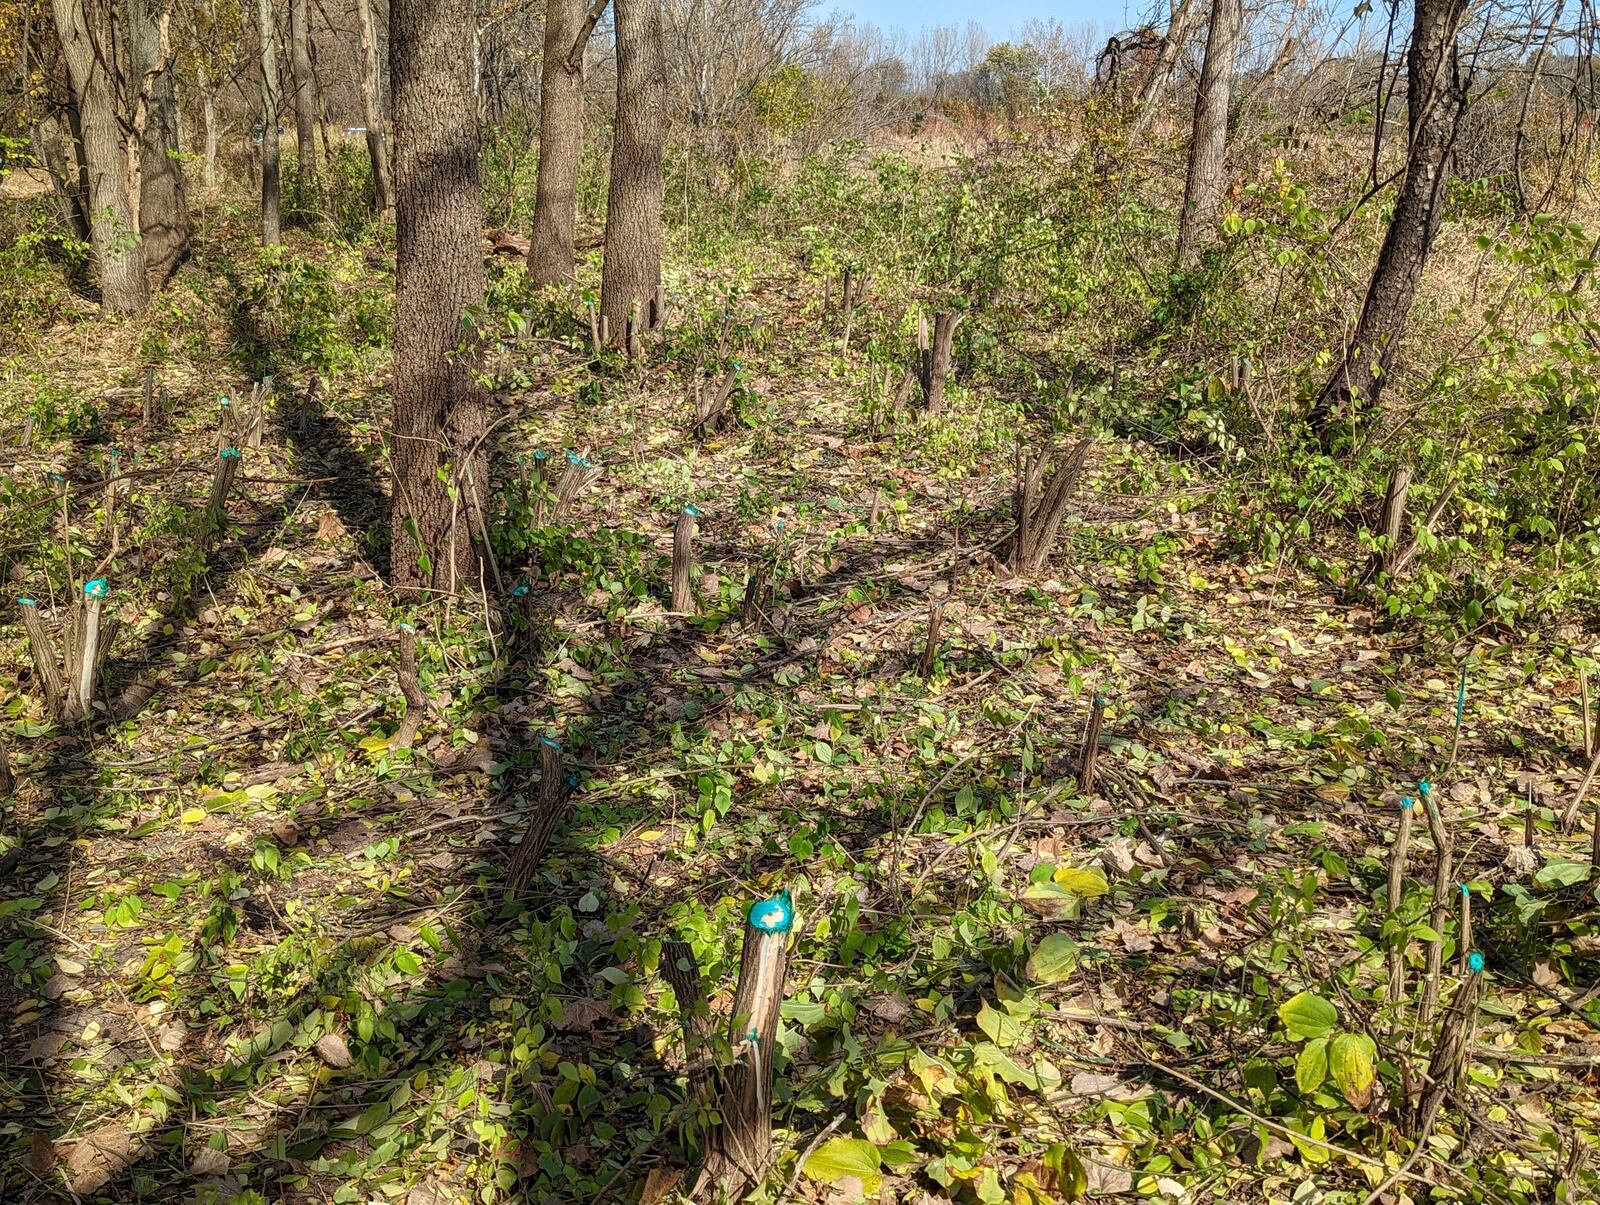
[(773, 916)]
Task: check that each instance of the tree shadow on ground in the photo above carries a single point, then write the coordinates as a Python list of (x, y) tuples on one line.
[(321, 441), (70, 801), (664, 691)]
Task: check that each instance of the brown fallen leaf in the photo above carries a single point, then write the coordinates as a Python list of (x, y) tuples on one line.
[(1544, 974), (429, 1191), (208, 1161), (97, 1158), (889, 1008), (171, 1036), (1118, 858), (57, 984), (41, 1156), (332, 1050), (658, 1185), (581, 1016), (1134, 940), (330, 528), (45, 1047), (1107, 1181), (847, 1190)]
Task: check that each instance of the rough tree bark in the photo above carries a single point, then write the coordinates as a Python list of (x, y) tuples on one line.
[(83, 29), (1172, 44), (163, 204), (372, 110), (1208, 149), (1436, 99), (632, 268), (61, 151), (271, 184), (305, 95), (438, 407), (566, 37)]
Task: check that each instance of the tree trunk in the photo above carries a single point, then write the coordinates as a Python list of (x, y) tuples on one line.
[(1436, 99), (61, 152), (1208, 149), (208, 110), (566, 37), (180, 118), (632, 267), (438, 407), (163, 205), (113, 209), (271, 184), (305, 97), (1171, 47), (372, 110)]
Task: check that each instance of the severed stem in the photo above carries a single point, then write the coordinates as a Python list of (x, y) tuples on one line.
[(1398, 853), (683, 533)]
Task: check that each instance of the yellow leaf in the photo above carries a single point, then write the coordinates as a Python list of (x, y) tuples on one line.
[(1081, 881), (651, 834), (193, 815)]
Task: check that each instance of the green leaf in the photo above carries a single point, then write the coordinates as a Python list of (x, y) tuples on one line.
[(1001, 1029), (1352, 1058), (1307, 1015), (1072, 1177), (1311, 1068), (840, 1157), (1317, 1130), (806, 1012), (1561, 873), (1041, 1077), (1053, 959), (898, 1153)]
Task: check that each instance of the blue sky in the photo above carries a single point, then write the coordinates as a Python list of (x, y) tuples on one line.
[(998, 17)]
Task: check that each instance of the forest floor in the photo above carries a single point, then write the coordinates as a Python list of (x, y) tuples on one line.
[(253, 945)]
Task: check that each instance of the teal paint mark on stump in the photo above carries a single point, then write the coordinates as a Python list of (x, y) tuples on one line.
[(773, 916)]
